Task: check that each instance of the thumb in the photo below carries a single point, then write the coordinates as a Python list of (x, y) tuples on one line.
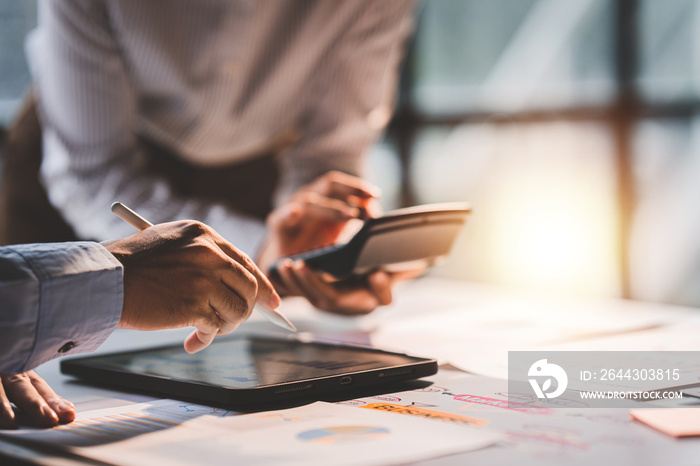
[(287, 216), (198, 340)]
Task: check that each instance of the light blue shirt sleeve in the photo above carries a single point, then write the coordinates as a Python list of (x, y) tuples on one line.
[(56, 299)]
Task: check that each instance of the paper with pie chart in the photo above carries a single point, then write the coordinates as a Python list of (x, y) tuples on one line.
[(176, 433)]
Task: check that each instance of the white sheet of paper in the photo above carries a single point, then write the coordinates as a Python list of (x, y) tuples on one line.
[(678, 337), (478, 339)]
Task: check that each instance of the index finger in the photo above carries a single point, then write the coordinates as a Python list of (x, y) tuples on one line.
[(63, 408), (267, 296), (341, 185)]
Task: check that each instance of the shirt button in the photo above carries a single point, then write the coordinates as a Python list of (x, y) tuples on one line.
[(67, 347)]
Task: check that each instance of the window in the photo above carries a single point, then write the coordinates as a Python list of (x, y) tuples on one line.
[(571, 127), (17, 18)]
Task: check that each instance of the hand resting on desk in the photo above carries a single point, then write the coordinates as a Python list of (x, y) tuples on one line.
[(38, 404)]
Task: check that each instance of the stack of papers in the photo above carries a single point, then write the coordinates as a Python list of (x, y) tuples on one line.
[(178, 433)]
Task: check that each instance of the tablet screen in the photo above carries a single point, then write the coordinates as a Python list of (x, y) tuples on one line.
[(252, 362)]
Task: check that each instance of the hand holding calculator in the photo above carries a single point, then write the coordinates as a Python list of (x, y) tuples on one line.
[(403, 239)]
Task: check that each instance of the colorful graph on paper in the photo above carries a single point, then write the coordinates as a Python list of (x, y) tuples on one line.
[(115, 424), (115, 427), (335, 434)]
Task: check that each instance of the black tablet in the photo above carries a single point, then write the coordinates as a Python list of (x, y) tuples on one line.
[(409, 238), (240, 372)]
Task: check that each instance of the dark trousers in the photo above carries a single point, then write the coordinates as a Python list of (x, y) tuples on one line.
[(27, 216)]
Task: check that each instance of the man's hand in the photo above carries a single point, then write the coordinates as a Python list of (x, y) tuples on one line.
[(184, 274), (354, 296), (37, 404), (314, 217)]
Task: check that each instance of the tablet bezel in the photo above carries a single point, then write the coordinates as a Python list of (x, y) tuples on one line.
[(90, 369)]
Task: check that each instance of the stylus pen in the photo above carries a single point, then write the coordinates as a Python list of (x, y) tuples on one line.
[(140, 223)]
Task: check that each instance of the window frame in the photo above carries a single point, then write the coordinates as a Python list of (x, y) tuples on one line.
[(621, 115)]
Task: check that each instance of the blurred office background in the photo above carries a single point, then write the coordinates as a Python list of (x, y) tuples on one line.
[(569, 125)]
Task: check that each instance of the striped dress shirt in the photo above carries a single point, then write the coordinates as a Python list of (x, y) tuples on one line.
[(56, 300), (215, 81)]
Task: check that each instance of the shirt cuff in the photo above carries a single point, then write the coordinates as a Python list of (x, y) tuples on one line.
[(81, 297)]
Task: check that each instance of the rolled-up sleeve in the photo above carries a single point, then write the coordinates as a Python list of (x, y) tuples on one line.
[(55, 300)]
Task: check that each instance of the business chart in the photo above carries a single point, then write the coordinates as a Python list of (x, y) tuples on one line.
[(176, 433)]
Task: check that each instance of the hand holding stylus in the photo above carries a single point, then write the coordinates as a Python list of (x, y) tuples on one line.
[(182, 274)]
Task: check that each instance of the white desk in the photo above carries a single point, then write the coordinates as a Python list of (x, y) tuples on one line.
[(484, 323)]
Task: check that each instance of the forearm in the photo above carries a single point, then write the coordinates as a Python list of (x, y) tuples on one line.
[(56, 299)]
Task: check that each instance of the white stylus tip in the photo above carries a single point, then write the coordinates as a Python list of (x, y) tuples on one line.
[(277, 319)]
